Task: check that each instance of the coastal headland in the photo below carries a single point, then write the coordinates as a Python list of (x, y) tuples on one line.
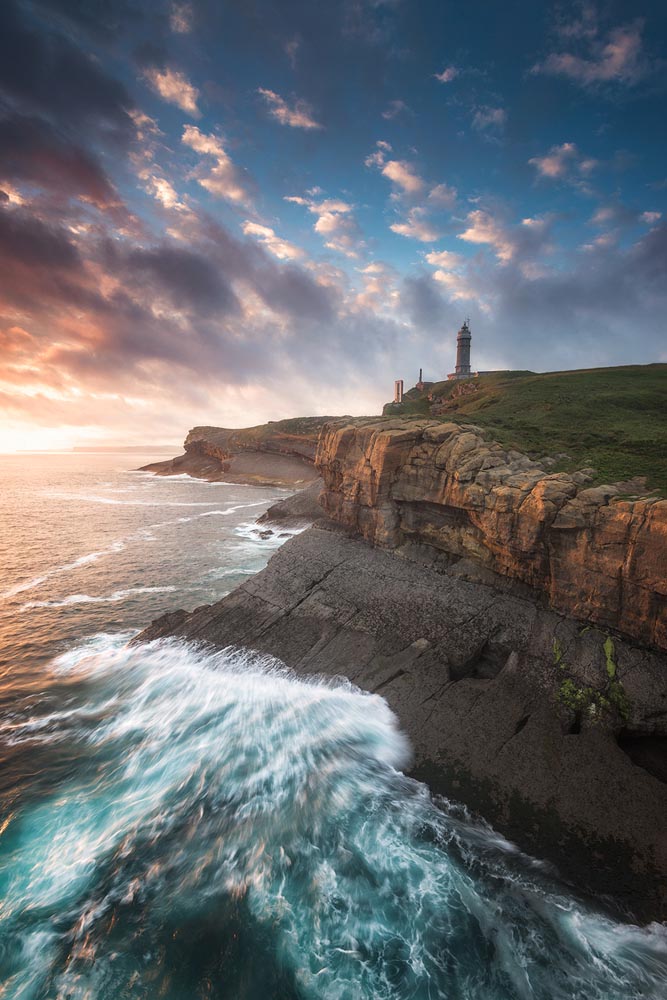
[(512, 610), (280, 453)]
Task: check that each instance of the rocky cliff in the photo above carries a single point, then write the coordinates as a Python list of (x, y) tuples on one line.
[(509, 707), (595, 553), (484, 601), (279, 453)]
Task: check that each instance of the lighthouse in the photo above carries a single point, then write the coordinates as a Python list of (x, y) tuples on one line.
[(463, 339)]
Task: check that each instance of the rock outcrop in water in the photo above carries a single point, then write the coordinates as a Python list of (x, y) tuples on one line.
[(592, 552), (280, 453), (487, 611)]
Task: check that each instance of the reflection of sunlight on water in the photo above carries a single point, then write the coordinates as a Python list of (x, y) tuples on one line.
[(210, 799), (89, 549)]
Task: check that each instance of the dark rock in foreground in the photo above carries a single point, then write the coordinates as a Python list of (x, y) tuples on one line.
[(297, 511), (509, 706)]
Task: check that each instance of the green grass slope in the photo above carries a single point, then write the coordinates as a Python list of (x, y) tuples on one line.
[(614, 419)]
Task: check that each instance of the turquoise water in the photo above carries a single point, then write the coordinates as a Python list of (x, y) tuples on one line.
[(177, 823)]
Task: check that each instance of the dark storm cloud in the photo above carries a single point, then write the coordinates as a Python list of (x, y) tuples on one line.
[(285, 288), (580, 316), (32, 150), (424, 306), (102, 19), (188, 279), (289, 289), (112, 333), (333, 49), (601, 302), (42, 271), (45, 73), (32, 243)]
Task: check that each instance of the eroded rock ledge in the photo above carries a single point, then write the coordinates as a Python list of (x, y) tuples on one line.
[(280, 453), (594, 553)]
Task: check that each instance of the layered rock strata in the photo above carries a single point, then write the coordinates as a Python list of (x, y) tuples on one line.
[(280, 453), (592, 552)]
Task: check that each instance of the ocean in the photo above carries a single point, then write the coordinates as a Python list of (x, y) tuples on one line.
[(183, 823)]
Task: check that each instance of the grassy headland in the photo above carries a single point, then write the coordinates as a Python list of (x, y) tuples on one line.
[(612, 419)]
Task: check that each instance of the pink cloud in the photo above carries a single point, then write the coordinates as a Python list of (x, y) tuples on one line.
[(299, 115), (617, 58)]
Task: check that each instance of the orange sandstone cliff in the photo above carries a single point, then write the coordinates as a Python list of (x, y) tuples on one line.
[(594, 552)]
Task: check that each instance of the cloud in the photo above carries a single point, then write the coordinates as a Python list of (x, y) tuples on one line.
[(34, 243), (223, 179), (399, 172), (416, 227), (489, 119), (448, 74), (606, 241), (300, 115), (394, 109), (404, 175), (184, 277), (175, 88), (484, 229), (650, 218), (615, 58), (379, 293), (450, 274), (410, 187), (335, 221), (583, 26), (101, 313), (622, 218), (165, 193), (522, 242), (85, 101), (291, 48), (443, 196), (564, 162), (181, 18), (102, 318), (444, 258), (548, 318), (31, 150), (280, 248)]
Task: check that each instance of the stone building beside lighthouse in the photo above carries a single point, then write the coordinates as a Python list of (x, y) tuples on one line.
[(463, 339)]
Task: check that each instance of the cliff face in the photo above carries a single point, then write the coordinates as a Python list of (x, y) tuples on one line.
[(593, 553), (555, 733), (278, 453), (294, 438), (474, 676)]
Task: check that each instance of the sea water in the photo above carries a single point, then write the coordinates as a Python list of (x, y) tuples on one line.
[(178, 822)]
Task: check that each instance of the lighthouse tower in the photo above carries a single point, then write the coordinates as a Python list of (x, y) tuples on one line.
[(463, 339)]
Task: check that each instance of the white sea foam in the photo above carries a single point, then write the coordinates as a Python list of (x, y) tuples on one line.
[(84, 560), (118, 595), (215, 791), (112, 502), (144, 533)]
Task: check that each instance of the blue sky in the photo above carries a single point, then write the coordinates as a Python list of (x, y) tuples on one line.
[(224, 212)]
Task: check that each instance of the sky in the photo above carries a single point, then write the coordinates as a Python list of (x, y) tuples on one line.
[(227, 212)]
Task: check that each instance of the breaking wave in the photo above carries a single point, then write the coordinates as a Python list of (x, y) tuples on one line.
[(182, 824)]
